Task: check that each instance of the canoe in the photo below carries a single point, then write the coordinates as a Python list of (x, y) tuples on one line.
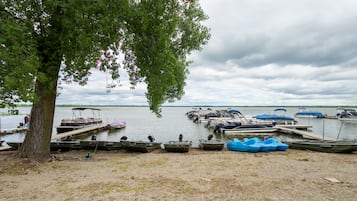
[(324, 146), (140, 146), (212, 144), (178, 146)]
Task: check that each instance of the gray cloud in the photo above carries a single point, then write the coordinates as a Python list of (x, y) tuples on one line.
[(254, 33), (262, 52)]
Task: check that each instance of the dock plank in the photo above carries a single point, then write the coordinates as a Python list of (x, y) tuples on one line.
[(2, 148), (80, 131), (295, 126), (306, 134)]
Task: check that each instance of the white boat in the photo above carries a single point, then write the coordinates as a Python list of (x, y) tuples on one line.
[(347, 115), (79, 121)]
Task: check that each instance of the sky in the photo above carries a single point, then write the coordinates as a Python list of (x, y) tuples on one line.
[(261, 52)]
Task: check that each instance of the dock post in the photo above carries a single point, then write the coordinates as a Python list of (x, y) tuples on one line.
[(339, 131), (323, 130)]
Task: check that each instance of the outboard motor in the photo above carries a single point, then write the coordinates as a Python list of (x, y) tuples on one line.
[(180, 137), (210, 136), (218, 127), (124, 138), (151, 138)]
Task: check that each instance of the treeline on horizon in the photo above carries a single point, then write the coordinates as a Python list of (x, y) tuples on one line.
[(197, 106)]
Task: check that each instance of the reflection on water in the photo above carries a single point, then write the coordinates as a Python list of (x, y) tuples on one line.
[(141, 122)]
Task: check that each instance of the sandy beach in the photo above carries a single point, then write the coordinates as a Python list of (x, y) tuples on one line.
[(197, 175)]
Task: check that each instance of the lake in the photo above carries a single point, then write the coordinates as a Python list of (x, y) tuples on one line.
[(141, 122)]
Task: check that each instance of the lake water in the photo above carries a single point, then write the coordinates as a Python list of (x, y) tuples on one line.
[(141, 122)]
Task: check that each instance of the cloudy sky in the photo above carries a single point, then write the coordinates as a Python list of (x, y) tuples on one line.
[(261, 52)]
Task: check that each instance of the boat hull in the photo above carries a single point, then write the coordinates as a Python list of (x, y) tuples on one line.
[(323, 146), (211, 144), (140, 146), (100, 145), (178, 146)]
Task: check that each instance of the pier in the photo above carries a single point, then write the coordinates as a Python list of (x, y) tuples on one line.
[(81, 131), (3, 148), (13, 130), (303, 133)]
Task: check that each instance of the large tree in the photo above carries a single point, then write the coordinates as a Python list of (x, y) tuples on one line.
[(45, 41)]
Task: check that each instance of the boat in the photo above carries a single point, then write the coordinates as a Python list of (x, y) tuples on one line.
[(178, 146), (237, 145), (256, 145), (342, 146), (303, 113), (276, 118), (55, 145), (211, 144), (78, 121), (117, 124), (140, 146), (268, 145), (14, 145), (100, 145), (347, 115), (282, 146)]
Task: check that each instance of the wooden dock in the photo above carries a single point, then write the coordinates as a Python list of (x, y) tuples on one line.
[(303, 133), (295, 126), (13, 130), (81, 131), (3, 148)]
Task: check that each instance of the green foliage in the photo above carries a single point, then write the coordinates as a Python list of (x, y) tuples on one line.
[(42, 41), (17, 61), (161, 34)]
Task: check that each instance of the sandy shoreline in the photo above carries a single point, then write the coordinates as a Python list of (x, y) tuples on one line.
[(197, 175)]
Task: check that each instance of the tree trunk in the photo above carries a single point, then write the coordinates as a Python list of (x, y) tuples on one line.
[(38, 138), (37, 141)]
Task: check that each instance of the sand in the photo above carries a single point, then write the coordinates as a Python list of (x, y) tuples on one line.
[(197, 175)]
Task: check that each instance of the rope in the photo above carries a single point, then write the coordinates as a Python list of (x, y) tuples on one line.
[(89, 155)]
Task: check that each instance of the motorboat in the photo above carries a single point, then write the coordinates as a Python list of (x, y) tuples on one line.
[(303, 112), (347, 115), (180, 145), (117, 124), (140, 145), (79, 120), (276, 118), (211, 144)]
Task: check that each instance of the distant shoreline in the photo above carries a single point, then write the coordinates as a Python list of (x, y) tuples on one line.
[(202, 106)]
